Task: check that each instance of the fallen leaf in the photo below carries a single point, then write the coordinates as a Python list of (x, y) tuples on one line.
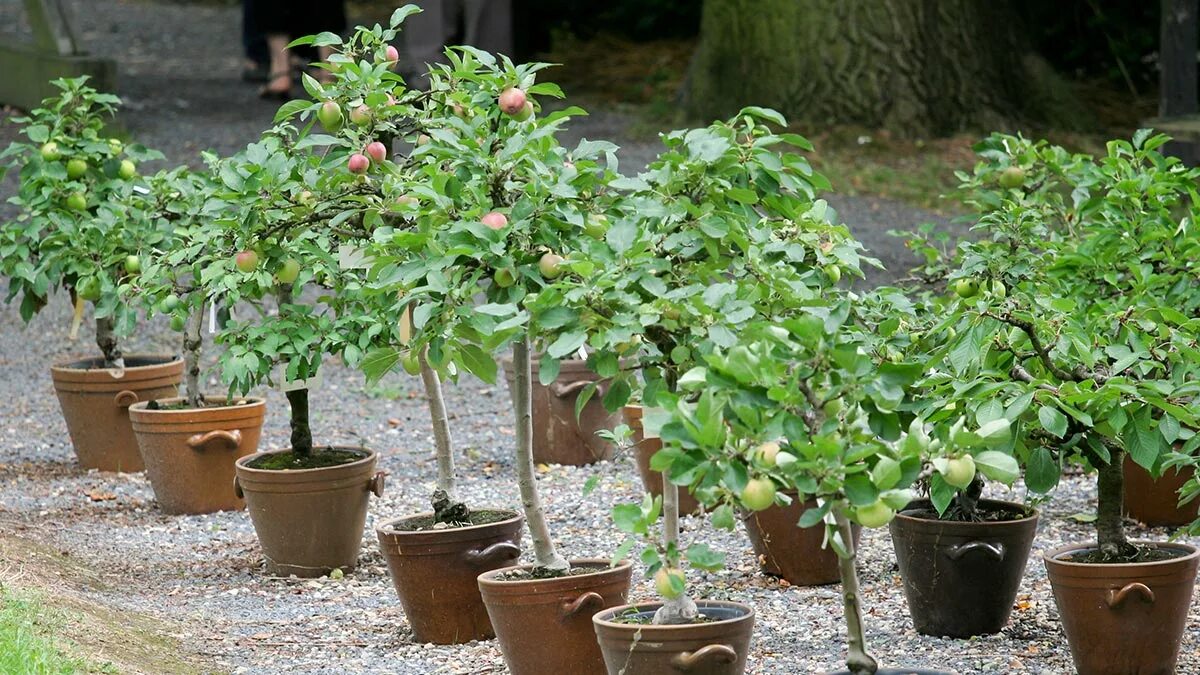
[(100, 496)]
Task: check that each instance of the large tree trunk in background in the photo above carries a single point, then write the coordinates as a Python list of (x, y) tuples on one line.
[(916, 67)]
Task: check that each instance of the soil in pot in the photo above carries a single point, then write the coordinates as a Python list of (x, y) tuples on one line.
[(190, 452), (545, 625), (791, 552), (95, 402), (1124, 618), (643, 449), (961, 578), (558, 437), (1156, 502), (715, 645), (309, 521), (434, 568)]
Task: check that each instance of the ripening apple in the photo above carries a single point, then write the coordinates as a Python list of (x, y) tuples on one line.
[(246, 261), (178, 322), (423, 139), (288, 272), (77, 201), (406, 200), (76, 168), (512, 100), (361, 115), (358, 163), (495, 220), (966, 288), (133, 264), (663, 582), (759, 494), (550, 265), (377, 151), (525, 112), (50, 152), (330, 116), (127, 170), (505, 277), (391, 54), (877, 514), (767, 452), (1013, 176), (960, 471), (596, 225)]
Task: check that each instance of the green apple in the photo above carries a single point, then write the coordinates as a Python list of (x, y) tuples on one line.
[(550, 265), (411, 362), (330, 116), (767, 452), (169, 304), (874, 515), (759, 494), (834, 272), (50, 152), (76, 168), (178, 322), (1013, 176), (664, 584), (966, 288), (505, 277), (288, 272), (88, 288), (596, 225), (77, 201), (960, 471), (133, 264), (128, 169)]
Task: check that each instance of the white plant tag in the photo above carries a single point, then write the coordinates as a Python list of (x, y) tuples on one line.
[(212, 318)]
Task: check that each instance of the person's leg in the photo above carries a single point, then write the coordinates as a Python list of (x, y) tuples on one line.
[(280, 82), (425, 35), (487, 24)]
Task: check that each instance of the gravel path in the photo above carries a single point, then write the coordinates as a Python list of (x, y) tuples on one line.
[(203, 575)]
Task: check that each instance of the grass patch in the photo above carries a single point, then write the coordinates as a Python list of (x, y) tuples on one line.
[(29, 641)]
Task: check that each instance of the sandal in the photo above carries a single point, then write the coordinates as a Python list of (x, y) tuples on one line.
[(282, 95)]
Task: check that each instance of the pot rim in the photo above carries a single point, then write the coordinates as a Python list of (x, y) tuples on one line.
[(242, 462), (386, 528), (251, 402), (162, 360), (1033, 514), (490, 576), (600, 618), (1052, 556)]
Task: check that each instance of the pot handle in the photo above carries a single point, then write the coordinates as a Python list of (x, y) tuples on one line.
[(578, 604), (218, 439), (565, 390), (993, 550), (1116, 597), (125, 398), (498, 551), (376, 484), (686, 661), (237, 488)]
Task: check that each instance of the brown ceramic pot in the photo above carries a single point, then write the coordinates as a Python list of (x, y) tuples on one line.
[(189, 452), (716, 647), (545, 625), (1156, 502), (643, 449), (435, 572), (961, 578), (309, 521), (791, 552), (1123, 619), (95, 402), (558, 437)]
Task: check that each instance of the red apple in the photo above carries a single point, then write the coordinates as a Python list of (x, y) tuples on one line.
[(377, 151), (246, 261), (391, 54), (358, 163), (495, 220), (512, 100)]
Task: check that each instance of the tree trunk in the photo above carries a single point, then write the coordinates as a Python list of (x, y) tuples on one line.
[(858, 661), (548, 561), (106, 340), (192, 343), (916, 67), (1110, 498), (681, 609), (302, 443), (446, 509)]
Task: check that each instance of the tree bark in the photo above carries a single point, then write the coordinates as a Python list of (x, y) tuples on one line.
[(1110, 502), (109, 346), (548, 561), (446, 509), (682, 609), (302, 443), (915, 67), (192, 344), (858, 661)]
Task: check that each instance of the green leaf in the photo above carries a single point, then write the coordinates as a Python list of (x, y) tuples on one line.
[(1143, 441), (860, 490), (623, 550), (590, 484), (742, 195), (702, 557), (1053, 421), (290, 108), (886, 473), (628, 518), (478, 362), (941, 493), (378, 362), (1041, 471), (723, 518), (812, 517), (567, 344), (998, 466)]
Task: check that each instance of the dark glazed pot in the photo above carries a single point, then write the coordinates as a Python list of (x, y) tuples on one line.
[(189, 453), (95, 402), (309, 521), (960, 579), (716, 647), (558, 438), (545, 625), (435, 572), (644, 448), (1123, 619), (791, 552), (1156, 502)]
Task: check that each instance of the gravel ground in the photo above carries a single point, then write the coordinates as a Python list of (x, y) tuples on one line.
[(203, 575)]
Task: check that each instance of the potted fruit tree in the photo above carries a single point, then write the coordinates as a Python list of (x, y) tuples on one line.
[(80, 229), (1092, 347), (189, 443)]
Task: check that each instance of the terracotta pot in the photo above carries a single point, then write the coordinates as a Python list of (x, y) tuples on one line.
[(309, 521), (189, 453), (435, 572), (1156, 502), (717, 647), (95, 402), (643, 449), (558, 438), (791, 552), (1123, 619), (960, 578), (545, 625)]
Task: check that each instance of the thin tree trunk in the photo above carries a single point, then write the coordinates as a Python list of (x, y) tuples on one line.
[(681, 609), (446, 509), (302, 443), (106, 340), (1110, 493), (858, 661), (192, 344), (548, 561)]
